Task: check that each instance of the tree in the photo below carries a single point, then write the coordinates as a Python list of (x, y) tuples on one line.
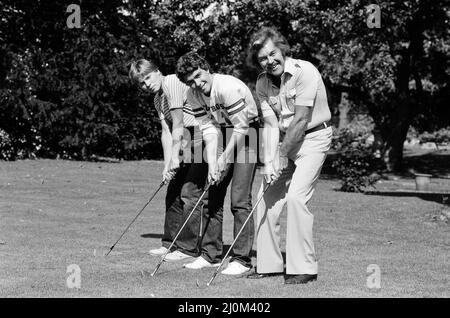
[(67, 92), (70, 87), (389, 70)]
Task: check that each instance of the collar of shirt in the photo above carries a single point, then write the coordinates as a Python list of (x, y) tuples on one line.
[(290, 66), (213, 87), (207, 100), (161, 89)]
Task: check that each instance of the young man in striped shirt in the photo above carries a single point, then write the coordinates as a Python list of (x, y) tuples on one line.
[(185, 180), (223, 105)]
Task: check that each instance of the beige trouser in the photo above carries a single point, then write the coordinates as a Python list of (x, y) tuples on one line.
[(295, 188)]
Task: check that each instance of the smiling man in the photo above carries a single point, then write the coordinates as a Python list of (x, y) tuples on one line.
[(223, 103), (296, 139), (185, 179)]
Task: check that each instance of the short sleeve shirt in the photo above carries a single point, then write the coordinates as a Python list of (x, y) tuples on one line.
[(301, 85), (230, 104), (173, 96)]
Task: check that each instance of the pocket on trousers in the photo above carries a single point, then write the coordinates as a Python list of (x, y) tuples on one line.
[(319, 141)]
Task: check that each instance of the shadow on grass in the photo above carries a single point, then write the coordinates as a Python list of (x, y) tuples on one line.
[(152, 235), (226, 247), (162, 271), (439, 197), (252, 253)]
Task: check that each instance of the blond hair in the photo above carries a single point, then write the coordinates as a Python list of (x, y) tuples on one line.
[(140, 68)]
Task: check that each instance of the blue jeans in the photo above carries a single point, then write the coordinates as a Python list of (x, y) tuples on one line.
[(183, 193), (208, 216), (191, 192), (241, 176)]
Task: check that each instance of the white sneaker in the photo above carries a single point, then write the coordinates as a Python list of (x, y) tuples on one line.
[(199, 263), (158, 251), (176, 256), (235, 268)]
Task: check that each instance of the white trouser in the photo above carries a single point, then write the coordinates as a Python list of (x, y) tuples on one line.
[(294, 187)]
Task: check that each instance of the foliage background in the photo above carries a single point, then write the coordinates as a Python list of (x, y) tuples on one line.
[(65, 92)]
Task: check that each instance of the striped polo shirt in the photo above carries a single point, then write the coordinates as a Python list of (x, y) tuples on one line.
[(230, 104), (173, 96)]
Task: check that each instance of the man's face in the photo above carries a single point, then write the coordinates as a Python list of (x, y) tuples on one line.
[(151, 81), (200, 80), (271, 59)]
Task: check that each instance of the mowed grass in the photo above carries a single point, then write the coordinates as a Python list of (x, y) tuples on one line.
[(55, 213)]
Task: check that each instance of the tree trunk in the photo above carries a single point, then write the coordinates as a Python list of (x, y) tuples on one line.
[(401, 117), (393, 155), (406, 107)]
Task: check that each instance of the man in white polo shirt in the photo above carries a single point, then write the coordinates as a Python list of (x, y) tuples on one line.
[(296, 139), (223, 102)]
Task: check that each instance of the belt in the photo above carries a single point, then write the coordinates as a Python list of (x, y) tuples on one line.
[(317, 128), (254, 121)]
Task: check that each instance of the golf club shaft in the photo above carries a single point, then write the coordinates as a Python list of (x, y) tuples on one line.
[(200, 231), (159, 188), (237, 236), (181, 229)]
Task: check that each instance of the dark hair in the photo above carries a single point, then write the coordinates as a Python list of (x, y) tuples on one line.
[(259, 39), (189, 63)]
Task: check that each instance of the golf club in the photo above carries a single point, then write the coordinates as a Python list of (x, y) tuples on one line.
[(159, 188), (235, 239), (200, 230), (181, 229)]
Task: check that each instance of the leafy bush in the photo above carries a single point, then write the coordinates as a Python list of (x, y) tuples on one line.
[(356, 160), (68, 95), (6, 150)]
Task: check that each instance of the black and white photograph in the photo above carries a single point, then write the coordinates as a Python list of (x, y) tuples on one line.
[(226, 155)]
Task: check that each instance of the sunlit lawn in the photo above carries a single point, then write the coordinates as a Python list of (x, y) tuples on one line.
[(56, 213)]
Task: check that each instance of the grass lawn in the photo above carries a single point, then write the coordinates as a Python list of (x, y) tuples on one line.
[(55, 213)]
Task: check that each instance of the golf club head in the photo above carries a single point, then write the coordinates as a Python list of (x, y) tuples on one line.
[(114, 253), (201, 286)]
